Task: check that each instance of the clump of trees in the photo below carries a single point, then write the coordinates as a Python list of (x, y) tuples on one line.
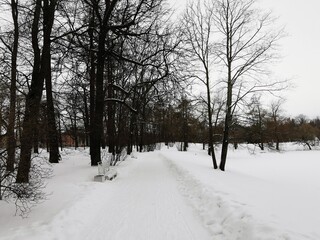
[(236, 41), (268, 126), (93, 69)]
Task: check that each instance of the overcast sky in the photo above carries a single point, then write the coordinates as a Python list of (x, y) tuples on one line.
[(300, 51)]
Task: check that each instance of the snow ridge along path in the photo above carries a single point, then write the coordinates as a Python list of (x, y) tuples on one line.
[(224, 222)]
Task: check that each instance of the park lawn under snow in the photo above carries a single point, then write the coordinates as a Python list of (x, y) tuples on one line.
[(177, 195)]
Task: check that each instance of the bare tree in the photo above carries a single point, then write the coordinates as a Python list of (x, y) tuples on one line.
[(49, 8), (32, 101), (117, 23), (246, 42), (197, 26), (276, 119), (13, 49), (257, 117), (41, 73), (304, 132)]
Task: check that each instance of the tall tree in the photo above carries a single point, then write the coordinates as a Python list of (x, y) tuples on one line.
[(198, 24), (246, 41), (103, 14), (49, 8), (33, 99), (41, 72), (11, 142), (276, 119), (257, 117)]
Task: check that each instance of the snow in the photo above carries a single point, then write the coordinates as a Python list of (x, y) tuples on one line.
[(177, 195), (272, 195)]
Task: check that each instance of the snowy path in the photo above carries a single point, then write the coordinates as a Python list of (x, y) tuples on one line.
[(147, 205), (143, 202)]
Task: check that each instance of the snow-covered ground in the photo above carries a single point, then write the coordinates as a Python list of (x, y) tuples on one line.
[(262, 195), (177, 195)]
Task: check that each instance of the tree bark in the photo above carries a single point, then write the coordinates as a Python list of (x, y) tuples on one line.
[(92, 79), (36, 138), (97, 121), (228, 118), (41, 72), (11, 143), (75, 132), (86, 117), (210, 143), (48, 19), (225, 143), (32, 103), (110, 110), (228, 121)]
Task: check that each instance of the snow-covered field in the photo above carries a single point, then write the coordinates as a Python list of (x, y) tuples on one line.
[(177, 195)]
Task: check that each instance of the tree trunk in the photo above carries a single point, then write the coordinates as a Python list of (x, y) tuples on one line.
[(131, 131), (260, 145), (225, 141), (48, 19), (75, 132), (97, 121), (32, 103), (52, 135), (86, 117), (227, 124), (60, 132), (276, 133), (142, 125), (11, 143), (36, 137), (210, 137), (141, 142), (31, 113), (228, 118), (110, 110), (94, 160)]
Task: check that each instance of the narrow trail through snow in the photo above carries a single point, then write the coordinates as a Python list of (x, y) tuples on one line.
[(146, 204)]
